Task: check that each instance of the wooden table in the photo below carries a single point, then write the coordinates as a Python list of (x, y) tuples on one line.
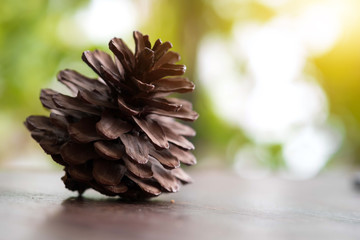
[(219, 205)]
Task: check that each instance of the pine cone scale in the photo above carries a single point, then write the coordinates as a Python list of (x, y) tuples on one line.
[(84, 131), (183, 156), (164, 177), (154, 131), (80, 173), (111, 127), (139, 170), (145, 185), (182, 113), (178, 140), (166, 158), (96, 99), (109, 150), (139, 43), (73, 103), (145, 61), (121, 51), (96, 59), (118, 189), (38, 122), (177, 84), (107, 173), (178, 128), (126, 108), (161, 103), (169, 57), (136, 148), (181, 175), (161, 49), (78, 82), (146, 87), (76, 153)]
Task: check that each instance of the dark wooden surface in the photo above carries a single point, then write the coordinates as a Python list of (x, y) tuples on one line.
[(219, 205)]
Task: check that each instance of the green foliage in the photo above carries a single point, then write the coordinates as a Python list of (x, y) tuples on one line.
[(30, 50)]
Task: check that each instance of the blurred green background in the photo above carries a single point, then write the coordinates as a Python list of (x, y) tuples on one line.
[(278, 81)]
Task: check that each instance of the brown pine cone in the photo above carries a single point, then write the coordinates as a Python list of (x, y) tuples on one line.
[(117, 134)]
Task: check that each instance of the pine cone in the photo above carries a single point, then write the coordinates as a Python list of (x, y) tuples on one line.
[(117, 134)]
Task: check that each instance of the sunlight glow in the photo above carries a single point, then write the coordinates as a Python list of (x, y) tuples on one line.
[(248, 161), (221, 79), (273, 100), (102, 20), (309, 149), (319, 27), (274, 3), (273, 112), (273, 51)]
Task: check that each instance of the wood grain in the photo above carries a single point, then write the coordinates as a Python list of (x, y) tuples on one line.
[(219, 205)]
